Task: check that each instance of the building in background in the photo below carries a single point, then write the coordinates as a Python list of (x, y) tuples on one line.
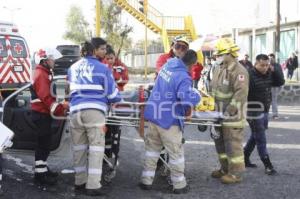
[(265, 40)]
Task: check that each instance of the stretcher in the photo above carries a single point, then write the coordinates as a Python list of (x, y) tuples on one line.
[(130, 113)]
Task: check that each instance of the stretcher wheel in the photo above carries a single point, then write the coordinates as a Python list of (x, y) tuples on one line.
[(202, 128)]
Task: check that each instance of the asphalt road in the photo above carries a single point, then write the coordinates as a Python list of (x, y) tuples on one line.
[(201, 159)]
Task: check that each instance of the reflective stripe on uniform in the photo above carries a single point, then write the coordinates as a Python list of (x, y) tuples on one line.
[(152, 154), (95, 171), (177, 178), (40, 162), (96, 148), (80, 169), (235, 103), (239, 124), (148, 173), (178, 161), (53, 107), (114, 94), (222, 156), (80, 147), (88, 106), (221, 95), (40, 170), (35, 100), (75, 87), (236, 160)]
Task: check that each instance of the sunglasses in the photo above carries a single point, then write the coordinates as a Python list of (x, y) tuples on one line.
[(181, 46)]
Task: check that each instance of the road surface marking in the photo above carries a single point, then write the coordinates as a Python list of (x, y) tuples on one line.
[(207, 143)]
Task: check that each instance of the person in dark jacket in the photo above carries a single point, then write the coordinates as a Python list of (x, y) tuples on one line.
[(262, 78), (246, 63), (292, 65), (275, 89)]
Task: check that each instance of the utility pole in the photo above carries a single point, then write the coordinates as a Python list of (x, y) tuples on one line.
[(144, 10), (146, 38), (98, 17), (277, 35)]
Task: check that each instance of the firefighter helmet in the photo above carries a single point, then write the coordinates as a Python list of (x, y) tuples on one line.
[(181, 38), (226, 46)]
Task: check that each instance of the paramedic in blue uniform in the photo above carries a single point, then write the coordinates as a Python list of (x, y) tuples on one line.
[(171, 99), (92, 89)]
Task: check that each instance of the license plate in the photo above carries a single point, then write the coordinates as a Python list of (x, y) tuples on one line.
[(18, 68)]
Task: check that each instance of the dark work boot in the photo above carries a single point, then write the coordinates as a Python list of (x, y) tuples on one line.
[(79, 189), (269, 169), (145, 186), (248, 163), (44, 179), (95, 192), (52, 173), (183, 190)]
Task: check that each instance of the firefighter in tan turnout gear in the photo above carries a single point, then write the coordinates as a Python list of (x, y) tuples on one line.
[(229, 87)]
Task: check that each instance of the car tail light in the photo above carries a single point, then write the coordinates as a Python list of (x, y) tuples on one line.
[(15, 30)]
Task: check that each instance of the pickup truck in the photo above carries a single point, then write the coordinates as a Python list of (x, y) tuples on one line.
[(71, 54)]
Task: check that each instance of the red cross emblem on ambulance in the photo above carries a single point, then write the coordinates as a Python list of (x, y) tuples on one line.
[(18, 48)]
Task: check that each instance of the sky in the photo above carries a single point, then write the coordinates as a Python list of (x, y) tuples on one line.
[(42, 22)]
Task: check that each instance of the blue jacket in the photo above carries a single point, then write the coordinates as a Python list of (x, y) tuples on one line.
[(172, 96), (92, 85)]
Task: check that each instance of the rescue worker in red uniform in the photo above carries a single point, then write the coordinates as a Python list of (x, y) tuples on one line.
[(119, 69), (179, 47), (44, 108), (196, 74)]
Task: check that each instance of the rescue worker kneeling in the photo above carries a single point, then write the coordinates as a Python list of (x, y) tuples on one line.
[(230, 87), (171, 99), (92, 88)]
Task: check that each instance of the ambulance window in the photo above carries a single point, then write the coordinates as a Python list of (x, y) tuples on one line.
[(18, 48), (3, 51)]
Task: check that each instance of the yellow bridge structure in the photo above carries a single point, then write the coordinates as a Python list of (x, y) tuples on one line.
[(167, 26)]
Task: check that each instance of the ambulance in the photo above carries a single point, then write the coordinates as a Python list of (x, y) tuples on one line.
[(15, 65)]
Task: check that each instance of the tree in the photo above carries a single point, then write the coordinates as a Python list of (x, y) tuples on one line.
[(77, 26), (154, 46), (117, 34)]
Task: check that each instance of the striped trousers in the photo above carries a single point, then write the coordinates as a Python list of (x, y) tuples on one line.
[(171, 139), (88, 145)]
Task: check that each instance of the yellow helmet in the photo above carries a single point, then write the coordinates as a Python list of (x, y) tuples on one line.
[(226, 46), (182, 39)]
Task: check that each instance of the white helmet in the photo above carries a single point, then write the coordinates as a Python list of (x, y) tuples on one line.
[(47, 53)]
